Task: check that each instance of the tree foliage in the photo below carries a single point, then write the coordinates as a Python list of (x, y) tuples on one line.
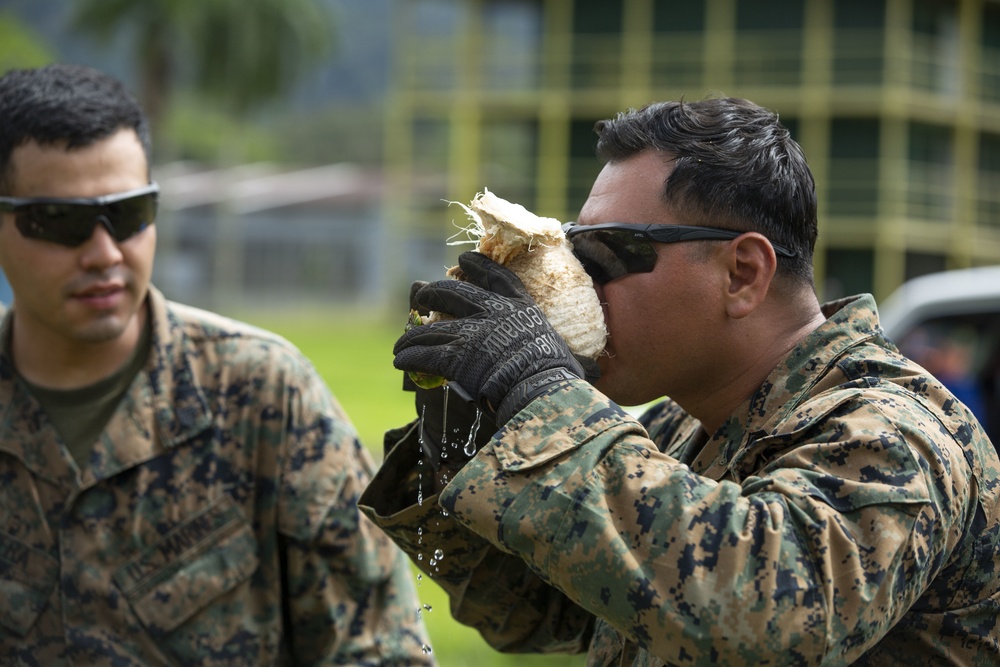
[(19, 46), (239, 53)]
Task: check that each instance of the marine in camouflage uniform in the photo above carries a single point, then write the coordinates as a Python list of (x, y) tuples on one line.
[(176, 488), (805, 496), (216, 525), (849, 511)]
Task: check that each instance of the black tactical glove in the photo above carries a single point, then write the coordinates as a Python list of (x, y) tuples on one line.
[(500, 348), (452, 427)]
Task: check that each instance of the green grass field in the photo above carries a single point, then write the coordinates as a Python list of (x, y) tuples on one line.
[(354, 355)]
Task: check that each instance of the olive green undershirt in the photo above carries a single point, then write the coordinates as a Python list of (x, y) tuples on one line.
[(80, 415)]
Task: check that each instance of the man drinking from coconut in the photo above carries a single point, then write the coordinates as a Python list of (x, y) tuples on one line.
[(802, 495)]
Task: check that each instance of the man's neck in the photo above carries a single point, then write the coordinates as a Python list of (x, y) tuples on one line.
[(757, 356), (56, 363)]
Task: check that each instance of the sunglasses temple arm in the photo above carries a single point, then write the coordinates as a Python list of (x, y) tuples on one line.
[(782, 250), (728, 234)]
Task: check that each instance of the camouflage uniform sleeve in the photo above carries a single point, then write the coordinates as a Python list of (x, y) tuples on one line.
[(350, 593), (512, 608), (808, 559)]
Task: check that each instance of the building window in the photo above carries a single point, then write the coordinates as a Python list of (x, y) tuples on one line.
[(849, 271), (792, 125), (852, 188), (922, 263), (431, 143), (678, 45), (512, 35), (509, 150), (433, 33), (858, 42), (769, 42), (988, 199), (597, 39), (679, 17), (931, 172), (990, 60), (583, 164), (936, 52)]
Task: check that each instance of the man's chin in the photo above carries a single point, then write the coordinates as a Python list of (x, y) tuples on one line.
[(102, 330)]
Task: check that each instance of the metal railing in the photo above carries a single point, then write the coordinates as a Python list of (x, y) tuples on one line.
[(775, 58)]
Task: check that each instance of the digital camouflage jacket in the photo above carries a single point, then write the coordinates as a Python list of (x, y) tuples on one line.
[(848, 512), (216, 523)]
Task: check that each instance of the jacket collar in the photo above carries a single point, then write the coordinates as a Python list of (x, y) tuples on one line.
[(803, 372), (165, 405), (179, 401)]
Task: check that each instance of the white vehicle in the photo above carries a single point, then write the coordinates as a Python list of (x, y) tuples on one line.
[(949, 322)]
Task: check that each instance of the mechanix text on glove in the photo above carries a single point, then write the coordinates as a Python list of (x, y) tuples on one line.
[(498, 339)]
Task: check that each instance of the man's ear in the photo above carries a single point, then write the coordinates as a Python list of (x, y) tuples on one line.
[(751, 264)]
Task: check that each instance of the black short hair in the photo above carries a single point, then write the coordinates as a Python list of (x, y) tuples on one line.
[(64, 102), (734, 165)]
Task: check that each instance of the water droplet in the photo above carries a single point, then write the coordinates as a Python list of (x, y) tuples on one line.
[(420, 434), (470, 444), (420, 556), (444, 512), (428, 607), (444, 419), (438, 554), (426, 649), (433, 562)]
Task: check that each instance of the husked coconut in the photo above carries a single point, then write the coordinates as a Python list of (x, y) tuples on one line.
[(537, 251)]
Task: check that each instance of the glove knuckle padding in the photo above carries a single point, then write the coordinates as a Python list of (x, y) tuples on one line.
[(424, 336), (484, 272), (499, 339), (415, 287), (441, 359), (449, 296)]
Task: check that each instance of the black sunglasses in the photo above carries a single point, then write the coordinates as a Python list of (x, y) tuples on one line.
[(71, 221), (614, 249)]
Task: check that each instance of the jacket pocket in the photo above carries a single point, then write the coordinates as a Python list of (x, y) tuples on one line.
[(27, 578), (192, 565)]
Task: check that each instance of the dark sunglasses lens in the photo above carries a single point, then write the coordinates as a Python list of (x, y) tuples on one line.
[(131, 216), (66, 224), (610, 254), (72, 224)]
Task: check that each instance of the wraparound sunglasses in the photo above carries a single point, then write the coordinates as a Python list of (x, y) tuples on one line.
[(71, 221), (614, 249)]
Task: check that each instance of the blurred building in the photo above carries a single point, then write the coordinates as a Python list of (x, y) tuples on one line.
[(896, 103), (263, 236)]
